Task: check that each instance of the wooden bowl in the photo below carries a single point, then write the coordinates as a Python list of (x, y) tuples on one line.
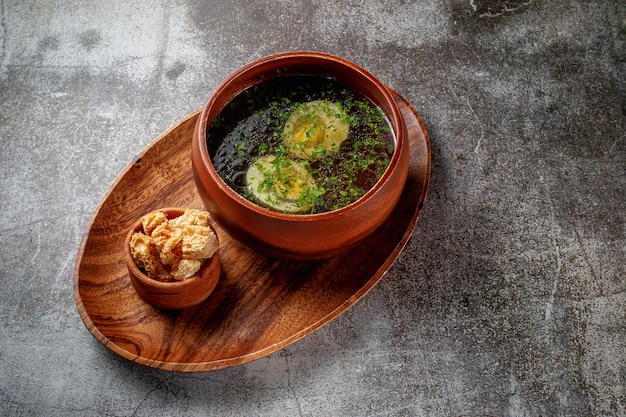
[(172, 295), (299, 236)]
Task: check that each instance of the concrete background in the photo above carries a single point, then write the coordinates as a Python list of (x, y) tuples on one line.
[(509, 299)]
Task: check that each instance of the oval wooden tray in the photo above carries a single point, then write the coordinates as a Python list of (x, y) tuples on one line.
[(260, 305)]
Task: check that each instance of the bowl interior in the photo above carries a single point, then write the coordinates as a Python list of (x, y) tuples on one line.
[(300, 63)]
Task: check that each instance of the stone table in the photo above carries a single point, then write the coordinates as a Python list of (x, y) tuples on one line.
[(509, 298)]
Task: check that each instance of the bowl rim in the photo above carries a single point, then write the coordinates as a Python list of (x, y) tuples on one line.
[(137, 273), (400, 139)]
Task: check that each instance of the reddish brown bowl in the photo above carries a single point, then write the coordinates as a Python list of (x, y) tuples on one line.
[(173, 295), (299, 236)]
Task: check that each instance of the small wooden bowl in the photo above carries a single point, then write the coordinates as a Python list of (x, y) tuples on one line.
[(300, 236), (173, 295)]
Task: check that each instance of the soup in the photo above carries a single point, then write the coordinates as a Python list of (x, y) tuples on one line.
[(300, 144)]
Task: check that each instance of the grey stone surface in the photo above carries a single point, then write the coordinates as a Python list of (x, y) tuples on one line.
[(509, 299)]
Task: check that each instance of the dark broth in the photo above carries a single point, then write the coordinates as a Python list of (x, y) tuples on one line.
[(251, 125)]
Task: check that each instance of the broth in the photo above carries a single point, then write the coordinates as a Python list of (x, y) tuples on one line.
[(298, 122)]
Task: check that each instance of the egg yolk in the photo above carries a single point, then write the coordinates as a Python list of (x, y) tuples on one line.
[(310, 132), (290, 183), (280, 183), (315, 129)]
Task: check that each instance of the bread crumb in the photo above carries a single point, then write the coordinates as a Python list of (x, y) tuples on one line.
[(185, 268), (152, 220), (174, 249)]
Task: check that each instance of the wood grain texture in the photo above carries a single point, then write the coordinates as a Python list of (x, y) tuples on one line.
[(260, 305)]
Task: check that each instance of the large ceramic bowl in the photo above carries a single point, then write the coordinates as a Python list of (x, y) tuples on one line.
[(299, 236)]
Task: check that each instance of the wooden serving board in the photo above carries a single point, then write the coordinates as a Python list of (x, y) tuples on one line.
[(260, 305)]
